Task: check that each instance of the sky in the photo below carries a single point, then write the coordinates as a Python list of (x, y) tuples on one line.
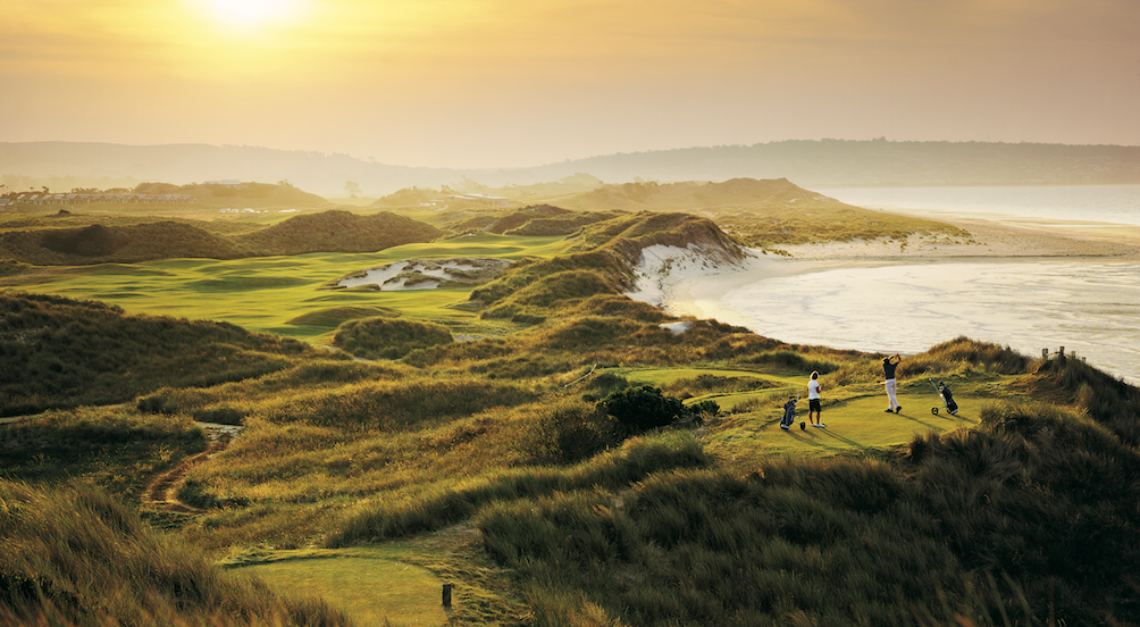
[(483, 83)]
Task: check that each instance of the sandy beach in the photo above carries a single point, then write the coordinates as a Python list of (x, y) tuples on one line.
[(1029, 285), (1009, 238)]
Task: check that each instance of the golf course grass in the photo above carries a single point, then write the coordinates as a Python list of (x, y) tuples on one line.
[(856, 420), (371, 585), (267, 293)]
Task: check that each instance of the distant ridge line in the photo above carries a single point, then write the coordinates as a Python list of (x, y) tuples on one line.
[(821, 162)]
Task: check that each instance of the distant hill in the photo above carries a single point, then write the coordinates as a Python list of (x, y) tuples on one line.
[(80, 164), (240, 195), (56, 352), (808, 162), (340, 231), (875, 162), (165, 197), (761, 212), (699, 196), (329, 231)]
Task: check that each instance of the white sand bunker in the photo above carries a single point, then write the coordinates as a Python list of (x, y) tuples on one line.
[(662, 266), (677, 328), (427, 274)]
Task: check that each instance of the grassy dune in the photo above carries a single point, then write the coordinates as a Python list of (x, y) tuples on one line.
[(497, 463), (88, 240), (74, 555)]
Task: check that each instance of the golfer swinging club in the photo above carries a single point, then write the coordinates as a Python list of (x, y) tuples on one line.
[(889, 365)]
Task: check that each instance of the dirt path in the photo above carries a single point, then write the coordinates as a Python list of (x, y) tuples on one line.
[(162, 492)]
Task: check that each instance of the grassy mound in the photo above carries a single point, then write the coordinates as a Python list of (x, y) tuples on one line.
[(633, 462), (1109, 401), (761, 212), (98, 243), (56, 352), (239, 195), (333, 317), (76, 556), (520, 217), (101, 239), (9, 267), (394, 405), (603, 265), (386, 338), (340, 231), (96, 444)]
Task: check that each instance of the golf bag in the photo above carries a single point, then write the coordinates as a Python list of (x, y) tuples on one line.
[(789, 414), (947, 398)]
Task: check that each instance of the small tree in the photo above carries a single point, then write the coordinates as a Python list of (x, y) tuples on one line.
[(642, 408), (352, 188)]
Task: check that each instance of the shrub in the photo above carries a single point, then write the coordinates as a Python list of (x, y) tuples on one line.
[(388, 338), (223, 415), (644, 407), (570, 431), (793, 360)]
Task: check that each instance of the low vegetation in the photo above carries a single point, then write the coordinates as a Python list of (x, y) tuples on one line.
[(386, 338), (95, 241), (992, 526), (578, 453), (73, 555), (57, 353), (341, 231)]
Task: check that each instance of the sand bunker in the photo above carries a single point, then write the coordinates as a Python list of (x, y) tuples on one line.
[(427, 274)]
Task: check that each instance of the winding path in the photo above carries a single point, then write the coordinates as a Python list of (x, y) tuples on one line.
[(162, 492)]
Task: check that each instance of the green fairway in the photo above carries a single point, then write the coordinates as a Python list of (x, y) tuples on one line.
[(854, 426), (665, 376), (370, 585), (266, 293)]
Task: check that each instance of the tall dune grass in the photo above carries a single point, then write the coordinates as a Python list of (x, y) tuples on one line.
[(75, 556)]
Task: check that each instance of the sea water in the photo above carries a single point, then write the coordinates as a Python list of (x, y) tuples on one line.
[(1116, 204), (1090, 307)]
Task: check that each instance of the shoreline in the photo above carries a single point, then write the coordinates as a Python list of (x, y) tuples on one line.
[(989, 239), (716, 292), (693, 292)]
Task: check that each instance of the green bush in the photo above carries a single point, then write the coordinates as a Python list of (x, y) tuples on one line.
[(569, 431), (641, 408), (388, 338), (223, 415)]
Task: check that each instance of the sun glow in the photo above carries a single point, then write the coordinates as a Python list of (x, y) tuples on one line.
[(247, 13)]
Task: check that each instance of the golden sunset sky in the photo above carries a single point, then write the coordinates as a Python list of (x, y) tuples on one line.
[(513, 82)]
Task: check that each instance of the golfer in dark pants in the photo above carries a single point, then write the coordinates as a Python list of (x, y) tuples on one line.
[(814, 407)]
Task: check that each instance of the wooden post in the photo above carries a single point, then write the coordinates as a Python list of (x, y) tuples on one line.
[(447, 595), (1061, 351)]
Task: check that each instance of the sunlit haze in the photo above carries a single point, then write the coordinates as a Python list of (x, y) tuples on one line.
[(252, 12), (507, 82)]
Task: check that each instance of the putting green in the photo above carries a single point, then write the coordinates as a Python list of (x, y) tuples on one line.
[(370, 585)]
